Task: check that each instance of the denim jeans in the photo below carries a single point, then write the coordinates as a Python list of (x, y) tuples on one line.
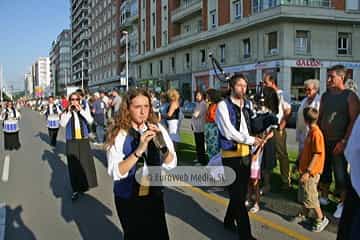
[(100, 133)]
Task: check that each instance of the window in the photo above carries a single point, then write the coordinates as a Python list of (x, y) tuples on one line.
[(302, 42), (272, 43), (153, 42), (165, 38), (143, 46), (247, 48), (151, 70), (222, 53), (143, 25), (237, 9), (213, 18), (187, 60), (186, 28), (202, 56), (143, 3), (199, 25), (153, 18), (139, 71), (173, 64), (161, 66), (344, 43)]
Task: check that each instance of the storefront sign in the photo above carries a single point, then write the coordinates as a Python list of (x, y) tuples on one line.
[(308, 62)]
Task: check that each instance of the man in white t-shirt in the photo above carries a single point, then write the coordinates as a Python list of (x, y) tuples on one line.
[(280, 133)]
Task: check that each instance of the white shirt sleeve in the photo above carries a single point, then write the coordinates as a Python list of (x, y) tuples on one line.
[(227, 129), (115, 155), (87, 115), (65, 119), (170, 146)]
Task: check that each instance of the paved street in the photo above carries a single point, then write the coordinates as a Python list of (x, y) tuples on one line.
[(37, 193)]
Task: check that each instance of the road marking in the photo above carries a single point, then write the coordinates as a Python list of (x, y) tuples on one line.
[(6, 169), (224, 202)]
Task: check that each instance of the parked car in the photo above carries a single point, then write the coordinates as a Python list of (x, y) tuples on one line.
[(188, 109), (292, 120)]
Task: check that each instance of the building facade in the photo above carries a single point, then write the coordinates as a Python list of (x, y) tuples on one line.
[(60, 63), (41, 77), (249, 36), (113, 30), (80, 35), (29, 87), (104, 69)]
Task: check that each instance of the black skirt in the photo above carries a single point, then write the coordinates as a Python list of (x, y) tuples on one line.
[(11, 141), (81, 165), (142, 217)]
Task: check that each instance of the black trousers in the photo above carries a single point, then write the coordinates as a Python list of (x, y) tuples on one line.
[(349, 225), (200, 147), (236, 210), (53, 132), (142, 217)]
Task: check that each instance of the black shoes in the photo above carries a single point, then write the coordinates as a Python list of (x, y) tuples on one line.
[(230, 225)]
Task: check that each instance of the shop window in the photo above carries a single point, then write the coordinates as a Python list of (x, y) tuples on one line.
[(272, 42), (247, 48), (302, 42), (344, 43)]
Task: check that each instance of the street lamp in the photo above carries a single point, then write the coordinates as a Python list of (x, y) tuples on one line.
[(126, 33), (82, 73)]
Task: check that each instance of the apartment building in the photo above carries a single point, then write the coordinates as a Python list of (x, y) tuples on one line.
[(293, 40), (104, 70), (80, 35), (60, 63), (41, 77)]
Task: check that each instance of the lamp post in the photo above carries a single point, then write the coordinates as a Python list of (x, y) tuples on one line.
[(82, 73), (126, 33)]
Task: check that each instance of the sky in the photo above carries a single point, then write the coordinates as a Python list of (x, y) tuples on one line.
[(27, 29)]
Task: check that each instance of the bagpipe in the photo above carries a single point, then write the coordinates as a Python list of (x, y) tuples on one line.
[(264, 101)]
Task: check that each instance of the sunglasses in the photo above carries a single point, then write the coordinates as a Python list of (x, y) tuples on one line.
[(75, 99), (308, 89)]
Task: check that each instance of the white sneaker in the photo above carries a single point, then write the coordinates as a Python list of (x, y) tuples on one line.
[(324, 201), (254, 209), (339, 210)]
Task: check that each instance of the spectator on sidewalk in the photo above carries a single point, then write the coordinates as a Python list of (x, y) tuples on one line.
[(280, 133), (312, 99), (349, 225), (173, 115), (98, 111), (197, 126), (339, 108), (311, 165), (211, 130), (116, 102)]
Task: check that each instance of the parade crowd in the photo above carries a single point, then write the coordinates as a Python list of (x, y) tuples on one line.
[(231, 128)]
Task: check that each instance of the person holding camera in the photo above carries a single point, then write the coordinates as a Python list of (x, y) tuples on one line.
[(136, 139), (76, 121)]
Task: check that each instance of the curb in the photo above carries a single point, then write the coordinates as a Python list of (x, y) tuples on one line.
[(2, 220)]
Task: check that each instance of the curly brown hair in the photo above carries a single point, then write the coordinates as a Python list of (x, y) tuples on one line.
[(122, 120)]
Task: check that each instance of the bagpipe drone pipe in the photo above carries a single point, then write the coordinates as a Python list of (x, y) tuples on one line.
[(264, 101)]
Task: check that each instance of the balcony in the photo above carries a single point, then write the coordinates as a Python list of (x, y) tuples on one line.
[(186, 11), (266, 4), (185, 35), (129, 21)]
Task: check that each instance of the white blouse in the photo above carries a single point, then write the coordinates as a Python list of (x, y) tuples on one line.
[(10, 114), (116, 154)]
